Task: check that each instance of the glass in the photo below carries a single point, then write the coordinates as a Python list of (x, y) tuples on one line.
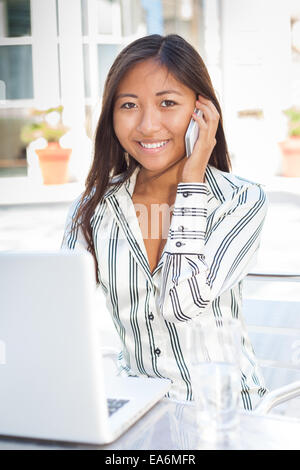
[(215, 374), (184, 17), (86, 68), (16, 71), (15, 18), (106, 55), (154, 16), (106, 16), (84, 18), (57, 18), (133, 18), (12, 150)]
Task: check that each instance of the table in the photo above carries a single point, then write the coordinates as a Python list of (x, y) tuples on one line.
[(172, 426)]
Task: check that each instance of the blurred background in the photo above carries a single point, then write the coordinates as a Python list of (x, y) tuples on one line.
[(54, 57)]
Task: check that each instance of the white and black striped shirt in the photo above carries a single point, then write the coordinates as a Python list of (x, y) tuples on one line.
[(213, 237)]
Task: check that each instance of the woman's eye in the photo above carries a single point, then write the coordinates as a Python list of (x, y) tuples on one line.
[(128, 105), (167, 103)]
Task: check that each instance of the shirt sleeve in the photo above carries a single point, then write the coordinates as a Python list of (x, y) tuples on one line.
[(73, 238), (205, 256)]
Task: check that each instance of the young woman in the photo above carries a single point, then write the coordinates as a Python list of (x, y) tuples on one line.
[(172, 236)]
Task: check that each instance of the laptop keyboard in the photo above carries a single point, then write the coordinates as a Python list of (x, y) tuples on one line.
[(115, 404)]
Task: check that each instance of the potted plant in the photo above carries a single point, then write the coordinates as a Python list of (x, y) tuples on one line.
[(54, 159), (290, 148)]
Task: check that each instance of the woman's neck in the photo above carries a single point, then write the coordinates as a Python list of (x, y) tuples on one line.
[(161, 186)]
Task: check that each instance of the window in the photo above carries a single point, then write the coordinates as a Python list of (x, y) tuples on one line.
[(15, 18), (55, 50), (24, 73), (16, 80), (108, 25)]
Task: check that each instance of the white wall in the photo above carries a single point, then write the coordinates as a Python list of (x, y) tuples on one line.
[(256, 65)]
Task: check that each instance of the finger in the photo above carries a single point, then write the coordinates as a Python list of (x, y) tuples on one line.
[(209, 111), (208, 102), (209, 122), (212, 121), (210, 105), (199, 118), (206, 138)]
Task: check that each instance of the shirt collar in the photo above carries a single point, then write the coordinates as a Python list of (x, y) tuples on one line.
[(121, 187), (219, 187)]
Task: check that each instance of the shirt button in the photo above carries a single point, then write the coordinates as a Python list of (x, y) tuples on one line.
[(185, 194), (181, 228), (151, 316), (157, 351), (178, 244)]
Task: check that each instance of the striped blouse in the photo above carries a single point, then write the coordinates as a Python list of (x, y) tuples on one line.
[(213, 237)]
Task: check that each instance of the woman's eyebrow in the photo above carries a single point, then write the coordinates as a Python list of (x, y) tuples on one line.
[(125, 95), (168, 92), (159, 93)]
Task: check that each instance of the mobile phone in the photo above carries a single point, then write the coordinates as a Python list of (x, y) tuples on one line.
[(192, 134)]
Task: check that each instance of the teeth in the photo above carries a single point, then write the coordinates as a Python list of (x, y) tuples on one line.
[(154, 145)]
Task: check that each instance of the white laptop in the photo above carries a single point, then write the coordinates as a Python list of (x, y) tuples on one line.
[(52, 380)]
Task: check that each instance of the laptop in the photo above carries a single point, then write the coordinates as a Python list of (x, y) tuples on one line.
[(52, 375)]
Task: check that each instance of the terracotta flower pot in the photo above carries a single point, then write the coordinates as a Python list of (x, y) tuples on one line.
[(290, 150), (54, 163)]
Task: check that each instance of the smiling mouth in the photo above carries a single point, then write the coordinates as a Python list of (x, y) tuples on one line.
[(154, 145)]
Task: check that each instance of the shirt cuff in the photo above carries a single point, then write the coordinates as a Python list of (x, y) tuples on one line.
[(188, 225)]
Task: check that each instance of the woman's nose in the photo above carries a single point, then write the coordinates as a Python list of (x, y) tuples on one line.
[(149, 122)]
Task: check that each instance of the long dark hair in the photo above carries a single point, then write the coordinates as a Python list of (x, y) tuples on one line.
[(186, 65)]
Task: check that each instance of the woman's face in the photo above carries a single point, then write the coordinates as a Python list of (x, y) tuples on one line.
[(151, 115)]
